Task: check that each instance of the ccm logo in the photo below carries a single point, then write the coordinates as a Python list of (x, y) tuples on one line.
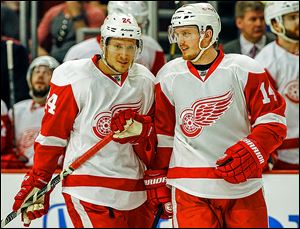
[(155, 181)]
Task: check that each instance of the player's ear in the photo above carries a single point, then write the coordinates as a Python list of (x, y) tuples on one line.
[(101, 44)]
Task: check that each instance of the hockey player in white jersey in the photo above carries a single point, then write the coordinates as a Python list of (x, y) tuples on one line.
[(152, 55), (281, 61), (108, 190), (217, 119), (28, 113)]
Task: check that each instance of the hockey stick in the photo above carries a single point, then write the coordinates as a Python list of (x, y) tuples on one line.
[(67, 171), (158, 215), (10, 69)]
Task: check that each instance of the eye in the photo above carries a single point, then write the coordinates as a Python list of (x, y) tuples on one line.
[(131, 47)]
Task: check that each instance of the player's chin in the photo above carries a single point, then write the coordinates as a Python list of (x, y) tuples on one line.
[(187, 56), (123, 69)]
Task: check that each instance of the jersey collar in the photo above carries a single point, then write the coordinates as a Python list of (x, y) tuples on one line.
[(195, 72)]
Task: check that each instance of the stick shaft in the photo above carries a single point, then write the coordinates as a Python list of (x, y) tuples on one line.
[(11, 82), (158, 215), (57, 179)]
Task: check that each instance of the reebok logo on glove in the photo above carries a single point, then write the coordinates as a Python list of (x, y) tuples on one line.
[(255, 150)]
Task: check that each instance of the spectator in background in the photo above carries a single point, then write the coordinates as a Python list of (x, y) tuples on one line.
[(100, 4), (57, 29), (28, 113), (21, 63), (249, 18), (152, 55), (281, 61), (9, 17)]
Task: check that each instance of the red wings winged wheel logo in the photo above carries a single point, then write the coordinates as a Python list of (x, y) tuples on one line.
[(101, 122), (204, 112)]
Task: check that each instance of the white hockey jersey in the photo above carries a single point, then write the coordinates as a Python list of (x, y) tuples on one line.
[(152, 55), (283, 68), (201, 114), (27, 120), (81, 102)]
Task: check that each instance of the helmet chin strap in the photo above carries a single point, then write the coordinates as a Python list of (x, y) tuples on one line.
[(282, 34), (202, 50)]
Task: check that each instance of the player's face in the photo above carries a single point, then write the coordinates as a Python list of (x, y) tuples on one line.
[(252, 25), (41, 76), (120, 53), (188, 41), (291, 24)]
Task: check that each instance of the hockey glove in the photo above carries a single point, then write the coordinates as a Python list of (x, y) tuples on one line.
[(130, 127), (241, 161), (31, 184), (157, 192)]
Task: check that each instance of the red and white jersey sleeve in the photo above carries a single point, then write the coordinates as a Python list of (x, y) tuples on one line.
[(27, 120), (79, 108), (201, 114), (283, 70)]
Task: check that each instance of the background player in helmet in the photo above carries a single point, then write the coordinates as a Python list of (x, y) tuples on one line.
[(107, 190), (281, 61), (28, 113), (152, 55), (213, 152)]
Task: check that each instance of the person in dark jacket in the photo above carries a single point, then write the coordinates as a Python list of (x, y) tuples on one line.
[(249, 18), (21, 64)]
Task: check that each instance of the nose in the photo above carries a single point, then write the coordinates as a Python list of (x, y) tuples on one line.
[(181, 41), (124, 56), (259, 22)]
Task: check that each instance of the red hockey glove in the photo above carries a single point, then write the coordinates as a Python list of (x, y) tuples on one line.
[(157, 191), (31, 184), (241, 161), (130, 127)]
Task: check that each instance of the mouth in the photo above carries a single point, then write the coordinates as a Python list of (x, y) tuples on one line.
[(123, 62), (39, 83), (184, 48)]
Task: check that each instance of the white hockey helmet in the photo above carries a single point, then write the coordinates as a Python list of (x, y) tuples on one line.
[(202, 15), (275, 10), (139, 9), (48, 61), (120, 25), (199, 14)]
